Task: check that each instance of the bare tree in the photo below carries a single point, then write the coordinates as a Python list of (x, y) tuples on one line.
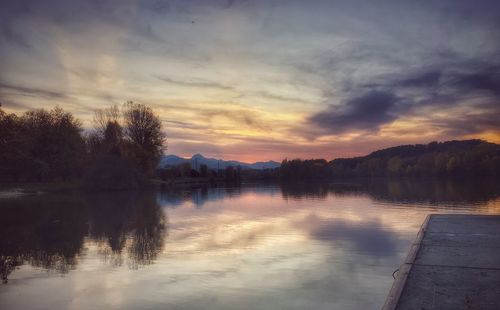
[(104, 117), (144, 128)]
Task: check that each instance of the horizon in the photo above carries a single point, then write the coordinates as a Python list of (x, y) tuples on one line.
[(257, 80), (328, 159), (209, 157)]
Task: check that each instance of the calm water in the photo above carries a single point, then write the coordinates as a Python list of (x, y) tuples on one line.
[(253, 247)]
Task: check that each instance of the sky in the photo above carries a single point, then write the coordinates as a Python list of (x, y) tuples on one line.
[(263, 80)]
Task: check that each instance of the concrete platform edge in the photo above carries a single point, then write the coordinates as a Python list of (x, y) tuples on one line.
[(392, 299)]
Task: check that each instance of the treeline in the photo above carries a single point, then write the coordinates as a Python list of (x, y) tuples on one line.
[(305, 169), (445, 159), (121, 151), (186, 171)]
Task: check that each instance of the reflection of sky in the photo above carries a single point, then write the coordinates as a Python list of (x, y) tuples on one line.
[(249, 249), (199, 196)]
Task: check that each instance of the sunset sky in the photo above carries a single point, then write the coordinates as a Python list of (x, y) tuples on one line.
[(260, 80)]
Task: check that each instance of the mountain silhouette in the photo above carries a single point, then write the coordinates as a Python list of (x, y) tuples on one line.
[(213, 163)]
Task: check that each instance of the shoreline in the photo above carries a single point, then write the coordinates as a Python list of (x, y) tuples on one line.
[(24, 189)]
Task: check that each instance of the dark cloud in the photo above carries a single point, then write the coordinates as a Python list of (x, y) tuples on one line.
[(485, 79), (13, 104), (474, 85), (366, 112), (229, 3), (193, 83), (279, 97), (447, 84), (484, 117), (244, 117), (158, 6), (183, 125), (426, 79), (475, 88), (28, 91), (9, 35)]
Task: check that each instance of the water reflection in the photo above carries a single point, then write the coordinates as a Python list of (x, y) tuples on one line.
[(430, 191), (367, 237), (50, 231), (200, 195), (288, 246)]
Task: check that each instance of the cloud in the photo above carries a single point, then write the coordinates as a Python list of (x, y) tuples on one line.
[(458, 78), (470, 86), (13, 37), (282, 98), (426, 79), (329, 71), (459, 100), (33, 92), (366, 112), (193, 82), (183, 125), (484, 79), (158, 6), (476, 121), (235, 117), (13, 105)]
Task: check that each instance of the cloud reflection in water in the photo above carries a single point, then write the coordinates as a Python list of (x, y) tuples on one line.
[(289, 247)]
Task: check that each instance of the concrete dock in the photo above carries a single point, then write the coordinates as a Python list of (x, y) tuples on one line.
[(454, 263)]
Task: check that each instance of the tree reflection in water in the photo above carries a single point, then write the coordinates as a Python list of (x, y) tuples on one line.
[(53, 231), (431, 191), (50, 231), (201, 194)]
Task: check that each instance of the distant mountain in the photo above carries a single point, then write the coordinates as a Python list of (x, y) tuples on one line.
[(213, 163)]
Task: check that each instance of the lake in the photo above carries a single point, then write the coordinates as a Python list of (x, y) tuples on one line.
[(271, 246)]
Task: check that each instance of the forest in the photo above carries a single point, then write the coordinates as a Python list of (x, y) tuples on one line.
[(120, 151), (436, 159)]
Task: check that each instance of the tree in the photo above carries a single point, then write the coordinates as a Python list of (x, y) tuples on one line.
[(40, 145), (54, 142), (185, 169), (107, 136), (144, 129), (104, 117), (394, 166), (113, 136), (203, 170), (11, 146)]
